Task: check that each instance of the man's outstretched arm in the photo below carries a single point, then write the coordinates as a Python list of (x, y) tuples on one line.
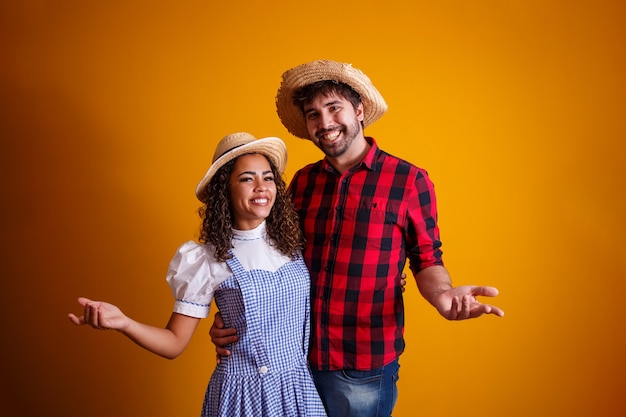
[(454, 303)]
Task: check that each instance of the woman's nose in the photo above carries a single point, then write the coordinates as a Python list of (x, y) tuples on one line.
[(260, 185)]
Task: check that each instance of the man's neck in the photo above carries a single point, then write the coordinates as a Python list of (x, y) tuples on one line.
[(352, 156)]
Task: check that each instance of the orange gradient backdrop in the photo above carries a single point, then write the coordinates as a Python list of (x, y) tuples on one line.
[(110, 111)]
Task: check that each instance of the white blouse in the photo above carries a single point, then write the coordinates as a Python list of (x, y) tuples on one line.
[(194, 274)]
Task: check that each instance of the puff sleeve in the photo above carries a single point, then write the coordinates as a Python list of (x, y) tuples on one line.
[(190, 279)]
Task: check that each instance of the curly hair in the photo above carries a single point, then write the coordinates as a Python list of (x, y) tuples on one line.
[(283, 227)]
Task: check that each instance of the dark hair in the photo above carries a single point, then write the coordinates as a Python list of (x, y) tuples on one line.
[(283, 227), (305, 95)]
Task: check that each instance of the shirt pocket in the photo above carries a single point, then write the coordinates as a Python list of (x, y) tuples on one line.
[(380, 211)]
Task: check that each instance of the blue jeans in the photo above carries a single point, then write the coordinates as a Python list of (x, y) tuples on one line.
[(350, 393)]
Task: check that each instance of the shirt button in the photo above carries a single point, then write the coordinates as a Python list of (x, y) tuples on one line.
[(263, 369)]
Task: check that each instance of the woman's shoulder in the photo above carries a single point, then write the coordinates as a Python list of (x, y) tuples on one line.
[(193, 253), (191, 246)]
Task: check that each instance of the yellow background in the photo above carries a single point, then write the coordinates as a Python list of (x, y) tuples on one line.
[(110, 111)]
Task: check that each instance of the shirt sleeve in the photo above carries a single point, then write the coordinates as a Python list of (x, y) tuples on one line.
[(190, 279), (424, 245)]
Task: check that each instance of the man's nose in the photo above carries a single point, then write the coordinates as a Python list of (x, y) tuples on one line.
[(325, 120)]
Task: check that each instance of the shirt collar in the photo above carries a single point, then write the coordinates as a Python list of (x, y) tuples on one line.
[(252, 234)]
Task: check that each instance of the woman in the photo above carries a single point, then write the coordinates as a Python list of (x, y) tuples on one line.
[(249, 261)]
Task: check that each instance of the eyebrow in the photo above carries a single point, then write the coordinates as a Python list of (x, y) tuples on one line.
[(326, 104), (254, 173)]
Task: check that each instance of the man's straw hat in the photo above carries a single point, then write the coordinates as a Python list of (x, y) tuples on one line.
[(241, 143), (291, 116)]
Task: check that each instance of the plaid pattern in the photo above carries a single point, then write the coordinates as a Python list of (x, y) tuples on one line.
[(267, 373), (360, 228)]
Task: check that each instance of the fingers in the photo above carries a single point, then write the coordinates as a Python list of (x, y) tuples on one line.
[(462, 307), (454, 308), (489, 309), (216, 328), (467, 307), (221, 337), (476, 309), (221, 352), (219, 321), (221, 341), (219, 334), (76, 320), (403, 283), (83, 300), (486, 308), (227, 340), (91, 314), (79, 321), (485, 291)]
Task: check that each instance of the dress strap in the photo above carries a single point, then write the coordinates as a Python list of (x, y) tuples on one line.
[(235, 266), (253, 314)]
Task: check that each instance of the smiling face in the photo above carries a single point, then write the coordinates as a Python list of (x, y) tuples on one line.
[(252, 191), (334, 125)]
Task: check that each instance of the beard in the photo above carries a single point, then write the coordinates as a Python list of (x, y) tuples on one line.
[(340, 146)]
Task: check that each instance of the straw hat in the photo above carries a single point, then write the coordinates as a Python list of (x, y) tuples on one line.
[(374, 105), (241, 143)]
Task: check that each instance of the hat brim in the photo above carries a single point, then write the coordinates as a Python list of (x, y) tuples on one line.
[(272, 147), (374, 106)]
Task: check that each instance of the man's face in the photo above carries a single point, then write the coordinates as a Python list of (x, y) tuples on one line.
[(333, 123)]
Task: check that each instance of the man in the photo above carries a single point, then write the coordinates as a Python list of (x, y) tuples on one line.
[(364, 212)]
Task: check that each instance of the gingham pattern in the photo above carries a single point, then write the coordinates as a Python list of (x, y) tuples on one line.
[(267, 373)]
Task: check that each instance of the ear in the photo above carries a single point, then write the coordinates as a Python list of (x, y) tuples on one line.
[(360, 114)]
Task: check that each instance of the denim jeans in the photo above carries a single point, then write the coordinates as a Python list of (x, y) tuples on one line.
[(349, 393)]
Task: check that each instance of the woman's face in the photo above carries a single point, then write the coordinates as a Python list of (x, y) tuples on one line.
[(252, 191)]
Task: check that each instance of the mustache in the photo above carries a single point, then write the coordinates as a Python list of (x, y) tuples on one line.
[(322, 132)]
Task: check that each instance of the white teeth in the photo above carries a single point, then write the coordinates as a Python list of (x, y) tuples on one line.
[(331, 136), (260, 201)]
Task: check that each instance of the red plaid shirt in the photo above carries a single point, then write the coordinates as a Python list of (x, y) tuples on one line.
[(360, 228)]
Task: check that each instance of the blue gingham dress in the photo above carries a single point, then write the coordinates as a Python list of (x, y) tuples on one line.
[(267, 373)]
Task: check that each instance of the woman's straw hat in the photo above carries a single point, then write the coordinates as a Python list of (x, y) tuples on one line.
[(241, 143), (291, 116)]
